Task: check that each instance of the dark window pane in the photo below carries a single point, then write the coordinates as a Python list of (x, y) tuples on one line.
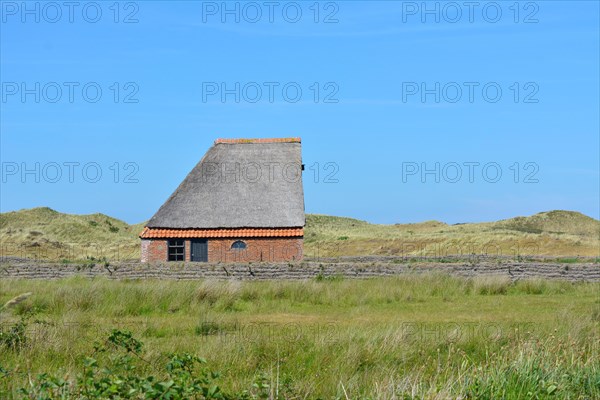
[(239, 245), (176, 250)]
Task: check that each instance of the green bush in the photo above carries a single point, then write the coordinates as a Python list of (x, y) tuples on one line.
[(111, 372), (13, 337)]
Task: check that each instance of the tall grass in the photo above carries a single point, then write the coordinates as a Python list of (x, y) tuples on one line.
[(429, 336), (492, 284)]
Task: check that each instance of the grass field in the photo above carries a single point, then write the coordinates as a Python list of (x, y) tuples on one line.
[(426, 336)]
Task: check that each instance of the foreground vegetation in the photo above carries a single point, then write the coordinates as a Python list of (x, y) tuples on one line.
[(428, 336), (47, 234)]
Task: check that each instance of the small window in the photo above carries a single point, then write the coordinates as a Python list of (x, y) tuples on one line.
[(176, 250), (238, 245)]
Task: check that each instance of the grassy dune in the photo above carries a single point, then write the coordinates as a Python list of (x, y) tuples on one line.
[(45, 233), (554, 233), (411, 337)]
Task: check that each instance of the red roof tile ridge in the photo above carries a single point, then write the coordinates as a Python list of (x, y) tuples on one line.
[(150, 233)]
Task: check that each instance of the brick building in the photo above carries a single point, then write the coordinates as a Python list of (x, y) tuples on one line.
[(243, 202)]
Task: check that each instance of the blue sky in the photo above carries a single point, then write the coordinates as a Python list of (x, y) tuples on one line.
[(369, 125)]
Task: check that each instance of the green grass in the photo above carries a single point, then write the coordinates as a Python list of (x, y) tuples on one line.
[(429, 336), (568, 260)]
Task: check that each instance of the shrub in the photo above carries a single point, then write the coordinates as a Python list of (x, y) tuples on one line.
[(111, 373), (13, 337)]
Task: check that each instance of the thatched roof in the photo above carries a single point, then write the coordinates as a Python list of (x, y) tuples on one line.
[(240, 183)]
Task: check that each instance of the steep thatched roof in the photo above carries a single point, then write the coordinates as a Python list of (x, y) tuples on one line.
[(239, 183)]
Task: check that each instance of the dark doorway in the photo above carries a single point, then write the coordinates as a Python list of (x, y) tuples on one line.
[(199, 250)]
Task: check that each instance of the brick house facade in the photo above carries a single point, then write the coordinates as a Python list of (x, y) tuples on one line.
[(219, 250), (243, 202)]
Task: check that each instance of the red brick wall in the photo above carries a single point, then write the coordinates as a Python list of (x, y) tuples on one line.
[(219, 250), (154, 250), (257, 249)]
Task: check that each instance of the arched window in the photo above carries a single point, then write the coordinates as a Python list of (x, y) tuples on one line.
[(238, 245)]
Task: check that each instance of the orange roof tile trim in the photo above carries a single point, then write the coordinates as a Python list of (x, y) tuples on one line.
[(158, 233), (273, 140)]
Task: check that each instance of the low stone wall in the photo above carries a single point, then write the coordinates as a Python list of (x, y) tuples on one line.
[(30, 269)]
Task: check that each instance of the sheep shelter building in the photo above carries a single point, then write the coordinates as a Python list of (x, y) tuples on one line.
[(243, 202)]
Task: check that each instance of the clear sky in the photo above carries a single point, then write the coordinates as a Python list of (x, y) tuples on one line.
[(378, 92)]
